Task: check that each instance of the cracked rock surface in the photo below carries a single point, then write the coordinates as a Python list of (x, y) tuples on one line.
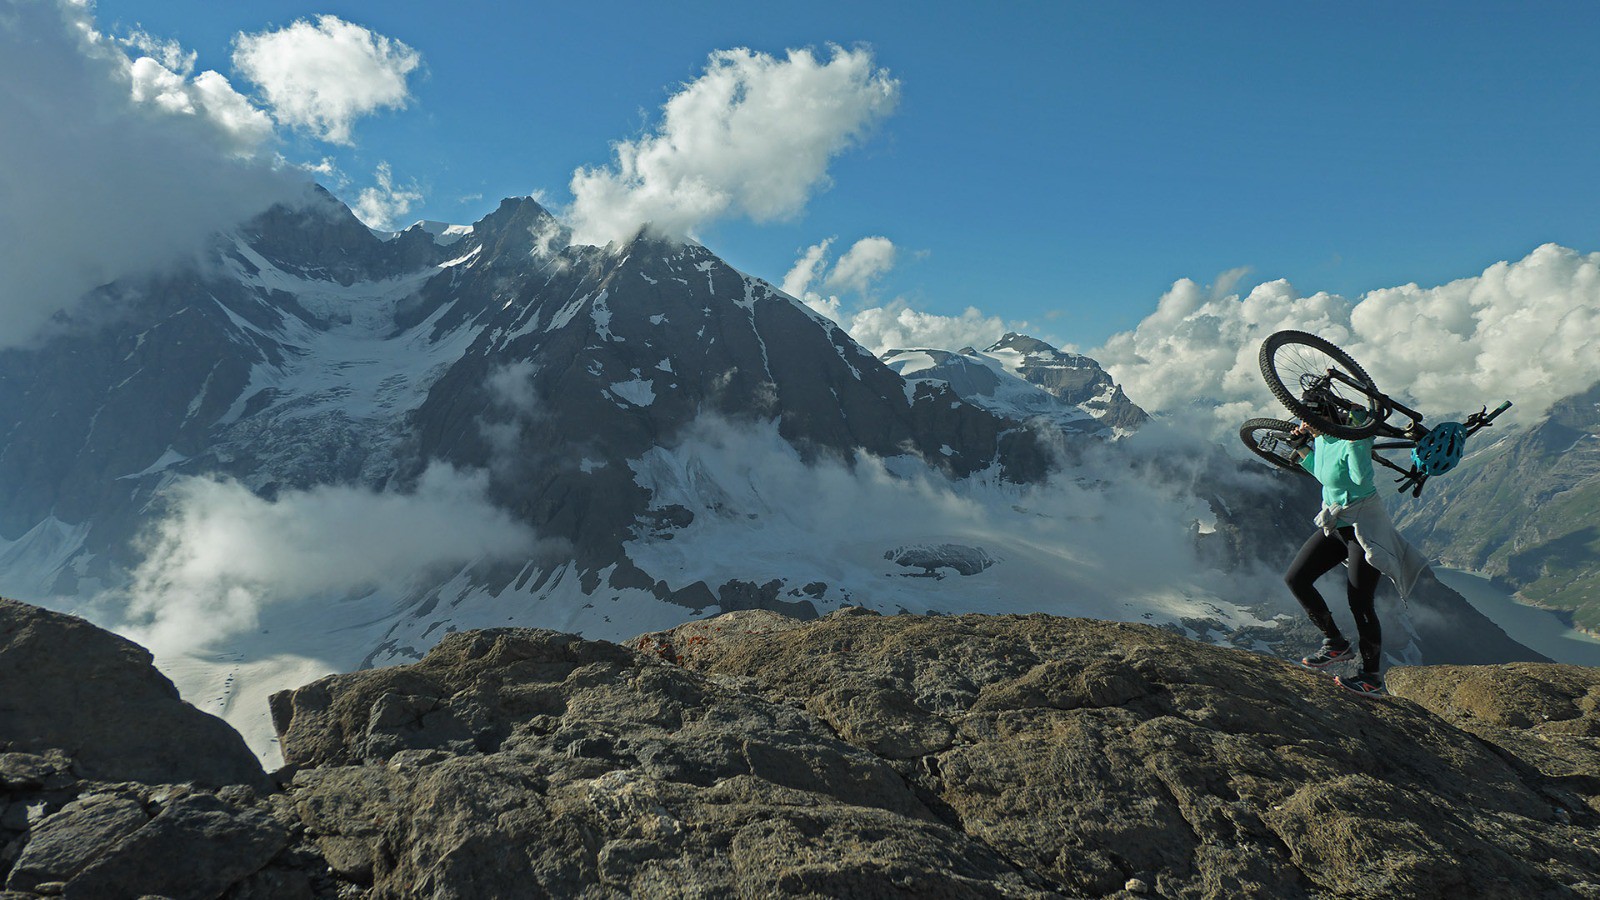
[(1090, 753), (533, 763), (754, 755)]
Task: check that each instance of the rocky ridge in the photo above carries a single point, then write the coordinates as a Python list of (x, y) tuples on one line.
[(1026, 379), (855, 755)]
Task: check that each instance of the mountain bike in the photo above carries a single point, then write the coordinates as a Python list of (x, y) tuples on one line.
[(1323, 387)]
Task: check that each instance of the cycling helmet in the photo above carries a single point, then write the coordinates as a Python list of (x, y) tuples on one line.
[(1440, 449)]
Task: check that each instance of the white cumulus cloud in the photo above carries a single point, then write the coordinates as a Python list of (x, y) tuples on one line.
[(864, 263), (222, 554), (751, 137), (1528, 331), (890, 326), (112, 165), (898, 326), (384, 204), (321, 76), (807, 269)]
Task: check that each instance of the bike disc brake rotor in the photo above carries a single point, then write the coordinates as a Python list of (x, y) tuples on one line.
[(1310, 370)]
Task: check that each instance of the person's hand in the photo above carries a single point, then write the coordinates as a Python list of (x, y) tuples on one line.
[(1299, 438)]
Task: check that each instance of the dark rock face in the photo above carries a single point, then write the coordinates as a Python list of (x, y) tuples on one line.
[(66, 684), (931, 558), (112, 787), (196, 847)]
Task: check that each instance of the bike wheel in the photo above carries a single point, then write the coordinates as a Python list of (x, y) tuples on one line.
[(1269, 439), (1294, 361)]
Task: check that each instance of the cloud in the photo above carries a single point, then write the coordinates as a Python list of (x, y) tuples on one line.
[(1112, 536), (112, 166), (1527, 330), (222, 554), (320, 77), (885, 327), (169, 53), (898, 326), (811, 264), (384, 205), (751, 137), (864, 263)]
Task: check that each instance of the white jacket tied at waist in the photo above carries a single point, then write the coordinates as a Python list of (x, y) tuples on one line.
[(1388, 552)]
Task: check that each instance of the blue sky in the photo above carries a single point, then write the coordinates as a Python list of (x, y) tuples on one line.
[(1060, 163)]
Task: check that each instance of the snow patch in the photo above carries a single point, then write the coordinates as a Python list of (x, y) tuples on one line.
[(566, 313), (638, 392), (166, 460), (601, 314)]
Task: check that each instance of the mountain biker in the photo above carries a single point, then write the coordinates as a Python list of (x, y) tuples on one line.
[(1352, 528)]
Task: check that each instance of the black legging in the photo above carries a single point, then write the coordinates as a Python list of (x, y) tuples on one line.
[(1318, 557)]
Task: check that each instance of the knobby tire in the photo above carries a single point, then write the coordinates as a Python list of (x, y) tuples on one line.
[(1290, 397)]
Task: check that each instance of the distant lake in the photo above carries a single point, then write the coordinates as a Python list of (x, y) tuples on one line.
[(1530, 626)]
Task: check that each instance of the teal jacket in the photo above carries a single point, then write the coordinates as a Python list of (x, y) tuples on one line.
[(1343, 467)]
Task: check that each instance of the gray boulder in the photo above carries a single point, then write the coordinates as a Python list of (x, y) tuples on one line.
[(63, 844), (71, 686), (196, 848)]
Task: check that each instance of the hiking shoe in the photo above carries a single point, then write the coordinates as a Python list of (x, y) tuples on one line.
[(1332, 652), (1367, 684)]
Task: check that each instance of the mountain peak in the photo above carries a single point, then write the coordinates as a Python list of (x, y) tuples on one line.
[(1023, 377), (443, 233)]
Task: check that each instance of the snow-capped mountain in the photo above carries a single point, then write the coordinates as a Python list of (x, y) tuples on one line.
[(1026, 379), (317, 448), (1073, 377), (307, 351)]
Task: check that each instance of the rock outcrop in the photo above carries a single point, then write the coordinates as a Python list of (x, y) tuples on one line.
[(1088, 753), (853, 756), (65, 684), (524, 762), (112, 787)]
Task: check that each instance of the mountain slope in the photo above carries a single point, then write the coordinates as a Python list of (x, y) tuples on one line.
[(305, 352), (316, 450), (1524, 509)]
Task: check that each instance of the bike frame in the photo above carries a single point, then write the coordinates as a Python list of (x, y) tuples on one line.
[(1403, 438)]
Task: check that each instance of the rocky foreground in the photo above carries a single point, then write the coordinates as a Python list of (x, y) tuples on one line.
[(754, 755)]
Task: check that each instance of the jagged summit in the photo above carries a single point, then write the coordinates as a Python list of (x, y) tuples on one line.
[(308, 353), (444, 233), (1073, 377), (1025, 378)]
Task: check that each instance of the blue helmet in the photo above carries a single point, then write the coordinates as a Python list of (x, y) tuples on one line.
[(1440, 449)]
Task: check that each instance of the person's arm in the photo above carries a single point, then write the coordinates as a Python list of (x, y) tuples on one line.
[(1306, 454), (1360, 456)]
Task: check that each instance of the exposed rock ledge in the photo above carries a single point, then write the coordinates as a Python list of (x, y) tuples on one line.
[(855, 756)]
